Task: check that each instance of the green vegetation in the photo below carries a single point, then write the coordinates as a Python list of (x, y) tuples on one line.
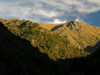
[(48, 42)]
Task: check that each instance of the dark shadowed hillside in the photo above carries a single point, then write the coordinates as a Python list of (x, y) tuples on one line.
[(19, 57)]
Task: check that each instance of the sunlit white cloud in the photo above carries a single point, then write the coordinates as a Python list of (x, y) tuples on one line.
[(57, 21), (37, 10), (79, 19)]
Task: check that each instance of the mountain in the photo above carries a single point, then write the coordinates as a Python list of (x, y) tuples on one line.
[(55, 46), (79, 34), (19, 57)]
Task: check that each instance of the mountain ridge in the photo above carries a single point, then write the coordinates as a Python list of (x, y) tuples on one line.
[(48, 42), (79, 34)]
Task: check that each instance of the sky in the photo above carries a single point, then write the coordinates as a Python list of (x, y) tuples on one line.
[(52, 11)]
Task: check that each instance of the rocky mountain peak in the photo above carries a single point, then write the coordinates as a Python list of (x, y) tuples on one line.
[(73, 25)]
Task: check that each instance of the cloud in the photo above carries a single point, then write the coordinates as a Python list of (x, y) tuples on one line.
[(79, 19), (57, 21), (46, 13), (81, 6), (37, 10), (22, 11)]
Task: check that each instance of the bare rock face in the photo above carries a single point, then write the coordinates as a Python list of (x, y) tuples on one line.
[(73, 25)]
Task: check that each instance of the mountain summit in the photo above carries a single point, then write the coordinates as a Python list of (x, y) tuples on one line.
[(73, 25)]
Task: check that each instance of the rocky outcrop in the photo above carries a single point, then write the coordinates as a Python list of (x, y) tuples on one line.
[(73, 25)]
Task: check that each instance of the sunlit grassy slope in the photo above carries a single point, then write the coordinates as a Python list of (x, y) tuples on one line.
[(80, 34), (49, 26)]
